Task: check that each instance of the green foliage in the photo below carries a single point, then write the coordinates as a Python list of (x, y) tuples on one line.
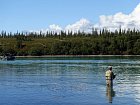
[(8, 51), (102, 42), (1, 51), (22, 53), (36, 51)]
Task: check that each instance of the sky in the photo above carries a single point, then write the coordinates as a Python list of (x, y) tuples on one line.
[(57, 15)]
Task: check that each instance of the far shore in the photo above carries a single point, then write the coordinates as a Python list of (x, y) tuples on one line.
[(44, 56)]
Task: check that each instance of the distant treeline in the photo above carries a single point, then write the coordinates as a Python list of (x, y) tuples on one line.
[(98, 42)]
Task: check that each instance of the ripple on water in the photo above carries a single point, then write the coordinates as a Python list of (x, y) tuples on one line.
[(69, 81)]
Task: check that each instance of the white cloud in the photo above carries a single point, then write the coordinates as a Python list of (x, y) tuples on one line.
[(81, 25), (112, 22), (55, 27)]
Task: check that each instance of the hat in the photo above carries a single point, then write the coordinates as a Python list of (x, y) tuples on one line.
[(109, 67)]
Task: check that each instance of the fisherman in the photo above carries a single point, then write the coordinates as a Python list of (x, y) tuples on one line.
[(109, 76)]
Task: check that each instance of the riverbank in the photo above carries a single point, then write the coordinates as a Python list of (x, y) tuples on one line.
[(73, 56)]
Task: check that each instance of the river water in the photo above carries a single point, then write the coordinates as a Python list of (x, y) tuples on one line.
[(69, 81)]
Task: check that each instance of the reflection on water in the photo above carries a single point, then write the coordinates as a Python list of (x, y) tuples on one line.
[(110, 93), (69, 81)]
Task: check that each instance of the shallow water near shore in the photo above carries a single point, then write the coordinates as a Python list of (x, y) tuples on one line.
[(69, 81)]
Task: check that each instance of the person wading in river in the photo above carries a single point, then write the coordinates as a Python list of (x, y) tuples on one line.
[(109, 76)]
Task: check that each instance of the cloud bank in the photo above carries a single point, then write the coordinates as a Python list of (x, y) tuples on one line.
[(118, 20), (111, 22), (81, 25)]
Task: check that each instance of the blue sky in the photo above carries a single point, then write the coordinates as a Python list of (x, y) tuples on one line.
[(39, 14)]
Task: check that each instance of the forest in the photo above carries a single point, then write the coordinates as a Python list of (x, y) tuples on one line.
[(98, 42)]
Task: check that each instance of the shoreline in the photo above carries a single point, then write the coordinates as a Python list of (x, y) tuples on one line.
[(44, 56)]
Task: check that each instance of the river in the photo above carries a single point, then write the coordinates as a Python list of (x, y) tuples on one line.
[(69, 81)]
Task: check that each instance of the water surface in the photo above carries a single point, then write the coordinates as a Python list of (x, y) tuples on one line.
[(69, 81)]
